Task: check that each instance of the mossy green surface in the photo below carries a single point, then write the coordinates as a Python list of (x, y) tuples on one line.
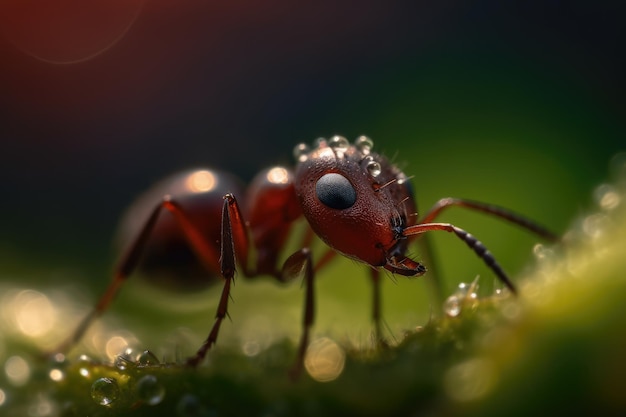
[(557, 348)]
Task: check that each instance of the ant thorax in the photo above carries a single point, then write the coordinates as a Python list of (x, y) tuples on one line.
[(354, 199)]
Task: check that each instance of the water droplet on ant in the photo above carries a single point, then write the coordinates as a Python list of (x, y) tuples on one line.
[(373, 167), (319, 142), (339, 143), (147, 358), (150, 390), (301, 152), (105, 391), (364, 144)]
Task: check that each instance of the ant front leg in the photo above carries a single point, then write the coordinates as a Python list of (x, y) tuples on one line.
[(476, 245), (233, 237)]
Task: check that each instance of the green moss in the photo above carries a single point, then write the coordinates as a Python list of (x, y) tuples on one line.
[(556, 348)]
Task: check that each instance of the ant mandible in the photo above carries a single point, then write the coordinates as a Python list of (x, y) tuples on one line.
[(361, 205)]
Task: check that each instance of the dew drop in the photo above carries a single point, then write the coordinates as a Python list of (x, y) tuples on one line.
[(150, 390), (105, 391), (452, 305), (85, 359), (319, 142), (542, 253), (56, 375), (324, 360), (122, 363), (339, 143), (364, 144), (251, 348), (373, 167), (301, 152), (464, 297), (59, 359), (462, 289), (124, 360), (147, 358)]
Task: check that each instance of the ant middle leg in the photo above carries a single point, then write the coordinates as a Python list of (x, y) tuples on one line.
[(376, 307), (298, 262)]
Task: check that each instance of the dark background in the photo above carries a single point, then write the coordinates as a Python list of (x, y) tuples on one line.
[(516, 103)]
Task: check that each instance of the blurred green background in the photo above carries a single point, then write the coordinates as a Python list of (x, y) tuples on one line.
[(518, 104)]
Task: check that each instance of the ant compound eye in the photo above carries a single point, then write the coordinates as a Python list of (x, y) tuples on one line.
[(335, 191)]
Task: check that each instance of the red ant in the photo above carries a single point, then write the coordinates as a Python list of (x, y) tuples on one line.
[(354, 199)]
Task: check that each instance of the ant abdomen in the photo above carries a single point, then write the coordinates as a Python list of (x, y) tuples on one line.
[(167, 260)]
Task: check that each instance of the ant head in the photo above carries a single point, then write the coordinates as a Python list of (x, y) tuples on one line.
[(354, 199)]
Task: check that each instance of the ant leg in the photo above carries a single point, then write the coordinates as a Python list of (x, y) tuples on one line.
[(471, 241), (233, 238), (490, 209), (376, 309), (294, 265), (130, 258)]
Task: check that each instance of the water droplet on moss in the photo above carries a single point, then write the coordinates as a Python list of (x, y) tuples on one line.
[(122, 363), (147, 358), (464, 297), (452, 305), (150, 390), (105, 391), (56, 375)]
